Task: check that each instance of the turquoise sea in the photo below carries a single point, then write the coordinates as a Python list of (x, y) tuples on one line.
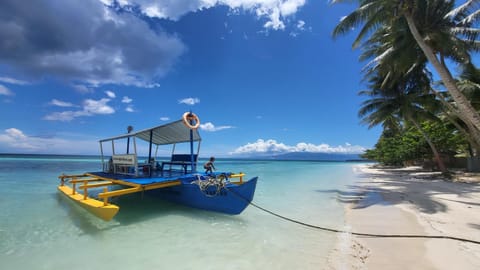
[(40, 229)]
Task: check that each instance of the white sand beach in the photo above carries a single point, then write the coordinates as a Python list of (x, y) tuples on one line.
[(409, 201)]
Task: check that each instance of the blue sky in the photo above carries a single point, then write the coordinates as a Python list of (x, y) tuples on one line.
[(263, 76)]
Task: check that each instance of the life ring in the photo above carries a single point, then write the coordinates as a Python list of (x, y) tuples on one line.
[(188, 117)]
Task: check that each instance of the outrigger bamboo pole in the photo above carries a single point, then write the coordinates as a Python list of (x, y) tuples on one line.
[(120, 192), (96, 185)]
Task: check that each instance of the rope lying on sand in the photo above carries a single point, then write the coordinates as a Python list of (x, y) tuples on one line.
[(367, 234), (357, 233)]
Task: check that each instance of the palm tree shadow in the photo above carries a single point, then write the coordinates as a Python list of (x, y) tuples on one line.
[(402, 187), (475, 226)]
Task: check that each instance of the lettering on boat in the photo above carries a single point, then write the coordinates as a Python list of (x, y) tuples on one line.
[(124, 159)]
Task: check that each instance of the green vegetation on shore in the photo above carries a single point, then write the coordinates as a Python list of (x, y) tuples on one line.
[(403, 43)]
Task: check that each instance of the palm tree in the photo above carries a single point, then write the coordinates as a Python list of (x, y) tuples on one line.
[(404, 101), (469, 84), (395, 54), (440, 30)]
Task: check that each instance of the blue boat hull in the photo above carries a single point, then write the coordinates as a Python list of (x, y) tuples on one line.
[(232, 199)]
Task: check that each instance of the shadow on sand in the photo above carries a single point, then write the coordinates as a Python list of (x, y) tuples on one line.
[(399, 186)]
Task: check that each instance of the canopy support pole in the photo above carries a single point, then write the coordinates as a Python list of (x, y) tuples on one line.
[(101, 154), (150, 146), (192, 157)]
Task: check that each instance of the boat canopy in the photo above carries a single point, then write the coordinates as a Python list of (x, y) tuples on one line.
[(171, 133)]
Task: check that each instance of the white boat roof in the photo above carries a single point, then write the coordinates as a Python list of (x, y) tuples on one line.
[(175, 132)]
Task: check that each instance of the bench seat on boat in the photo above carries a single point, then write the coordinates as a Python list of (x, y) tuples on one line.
[(182, 160)]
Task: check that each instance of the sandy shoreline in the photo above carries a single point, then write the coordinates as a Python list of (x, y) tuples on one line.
[(409, 201)]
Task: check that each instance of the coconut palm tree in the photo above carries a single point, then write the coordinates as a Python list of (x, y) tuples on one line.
[(469, 84), (394, 53), (439, 29), (399, 82), (404, 100)]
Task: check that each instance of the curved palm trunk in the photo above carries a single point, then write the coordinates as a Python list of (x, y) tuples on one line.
[(473, 144), (467, 113), (448, 110), (438, 159)]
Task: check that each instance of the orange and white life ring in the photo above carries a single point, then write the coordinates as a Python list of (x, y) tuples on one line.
[(188, 117)]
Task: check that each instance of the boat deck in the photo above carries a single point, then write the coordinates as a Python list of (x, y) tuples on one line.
[(155, 178)]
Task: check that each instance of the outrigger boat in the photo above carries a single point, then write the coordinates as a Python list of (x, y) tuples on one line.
[(176, 180)]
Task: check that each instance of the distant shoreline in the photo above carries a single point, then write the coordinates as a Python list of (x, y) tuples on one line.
[(23, 155)]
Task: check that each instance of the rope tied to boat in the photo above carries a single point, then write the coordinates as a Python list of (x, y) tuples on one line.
[(217, 181), (350, 232)]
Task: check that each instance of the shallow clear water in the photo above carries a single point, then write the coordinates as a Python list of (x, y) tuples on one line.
[(40, 229)]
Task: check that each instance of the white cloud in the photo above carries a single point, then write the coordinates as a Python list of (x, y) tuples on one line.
[(261, 146), (12, 81), (274, 11), (97, 106), (290, 7), (129, 108), (5, 91), (189, 101), (15, 133), (272, 146), (59, 103), (211, 127), (65, 116), (110, 94), (93, 43), (90, 107), (301, 25), (13, 140), (164, 118), (127, 100)]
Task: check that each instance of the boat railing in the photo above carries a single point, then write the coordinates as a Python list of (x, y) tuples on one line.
[(237, 175)]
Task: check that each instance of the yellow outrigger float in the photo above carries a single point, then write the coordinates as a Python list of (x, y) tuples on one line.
[(175, 180), (102, 209)]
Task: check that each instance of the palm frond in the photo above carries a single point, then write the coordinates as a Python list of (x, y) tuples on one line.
[(376, 18), (469, 33), (472, 18), (460, 9)]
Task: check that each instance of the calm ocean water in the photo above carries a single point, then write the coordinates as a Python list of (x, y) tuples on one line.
[(40, 229)]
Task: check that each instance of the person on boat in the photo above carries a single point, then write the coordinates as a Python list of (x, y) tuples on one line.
[(209, 167)]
